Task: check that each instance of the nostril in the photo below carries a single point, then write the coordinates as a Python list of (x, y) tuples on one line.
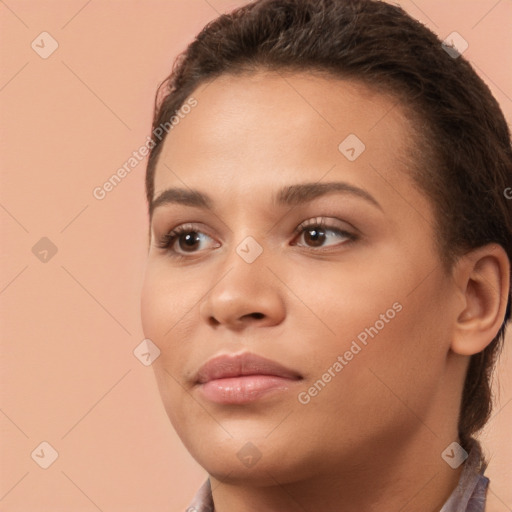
[(257, 315)]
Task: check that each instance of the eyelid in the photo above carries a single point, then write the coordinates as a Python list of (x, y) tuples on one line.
[(325, 222), (186, 226), (313, 221)]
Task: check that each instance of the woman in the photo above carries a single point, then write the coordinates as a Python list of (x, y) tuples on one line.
[(328, 279)]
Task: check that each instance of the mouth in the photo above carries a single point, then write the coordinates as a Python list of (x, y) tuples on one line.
[(243, 378)]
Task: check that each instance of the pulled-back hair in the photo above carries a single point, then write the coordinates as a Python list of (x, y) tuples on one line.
[(463, 155)]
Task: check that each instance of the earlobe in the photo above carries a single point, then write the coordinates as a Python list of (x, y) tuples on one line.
[(483, 276)]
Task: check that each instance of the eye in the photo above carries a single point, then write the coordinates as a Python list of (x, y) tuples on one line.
[(185, 239), (317, 231)]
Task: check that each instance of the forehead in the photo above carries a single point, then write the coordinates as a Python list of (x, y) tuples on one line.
[(265, 129)]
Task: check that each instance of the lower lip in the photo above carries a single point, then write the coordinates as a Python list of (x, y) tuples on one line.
[(241, 390)]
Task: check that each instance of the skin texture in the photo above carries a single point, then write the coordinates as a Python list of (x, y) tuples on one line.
[(372, 438)]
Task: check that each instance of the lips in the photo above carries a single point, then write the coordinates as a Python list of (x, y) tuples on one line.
[(239, 365), (243, 378)]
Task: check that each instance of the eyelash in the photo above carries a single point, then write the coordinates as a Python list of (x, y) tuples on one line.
[(166, 241)]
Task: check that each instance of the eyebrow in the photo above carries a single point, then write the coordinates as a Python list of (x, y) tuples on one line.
[(291, 195)]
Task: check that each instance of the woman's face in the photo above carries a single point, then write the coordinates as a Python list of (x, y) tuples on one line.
[(358, 308)]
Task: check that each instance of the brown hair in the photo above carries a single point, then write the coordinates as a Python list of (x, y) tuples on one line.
[(464, 157)]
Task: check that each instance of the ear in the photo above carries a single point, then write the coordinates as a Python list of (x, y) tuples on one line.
[(483, 278)]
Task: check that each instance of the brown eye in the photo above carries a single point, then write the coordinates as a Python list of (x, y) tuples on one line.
[(316, 233), (188, 241), (314, 236), (183, 240)]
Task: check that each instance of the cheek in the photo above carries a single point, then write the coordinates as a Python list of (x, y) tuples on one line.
[(160, 324), (380, 387), (166, 304), (347, 302), (152, 306), (387, 338), (162, 316)]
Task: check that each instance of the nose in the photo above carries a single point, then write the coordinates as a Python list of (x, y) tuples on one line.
[(243, 295)]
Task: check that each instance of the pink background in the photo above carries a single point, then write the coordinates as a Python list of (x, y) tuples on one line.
[(70, 324)]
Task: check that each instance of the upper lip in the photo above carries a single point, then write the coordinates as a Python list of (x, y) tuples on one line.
[(235, 365)]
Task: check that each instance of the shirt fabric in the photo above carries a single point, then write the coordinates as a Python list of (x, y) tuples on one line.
[(468, 496)]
